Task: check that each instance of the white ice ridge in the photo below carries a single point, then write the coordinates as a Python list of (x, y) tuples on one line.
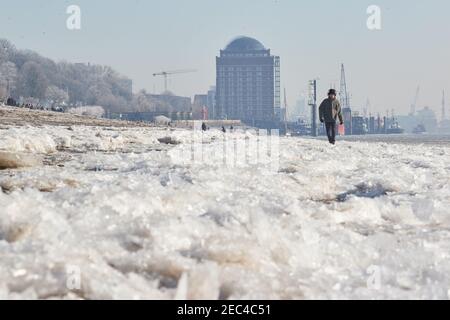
[(113, 213)]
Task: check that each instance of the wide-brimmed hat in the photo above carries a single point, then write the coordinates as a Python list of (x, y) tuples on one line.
[(332, 92)]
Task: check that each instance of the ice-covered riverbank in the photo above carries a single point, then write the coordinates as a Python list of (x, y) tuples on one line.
[(116, 206)]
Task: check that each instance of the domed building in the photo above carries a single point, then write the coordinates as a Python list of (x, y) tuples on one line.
[(244, 44), (248, 84)]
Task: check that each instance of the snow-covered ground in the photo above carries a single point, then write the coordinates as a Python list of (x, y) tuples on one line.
[(117, 214)]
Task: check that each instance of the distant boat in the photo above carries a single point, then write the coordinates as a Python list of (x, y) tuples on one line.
[(419, 129), (395, 129)]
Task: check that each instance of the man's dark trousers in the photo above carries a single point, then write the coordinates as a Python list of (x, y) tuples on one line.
[(331, 131)]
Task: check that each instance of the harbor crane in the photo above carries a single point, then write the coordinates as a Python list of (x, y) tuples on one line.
[(166, 75), (415, 103), (344, 95)]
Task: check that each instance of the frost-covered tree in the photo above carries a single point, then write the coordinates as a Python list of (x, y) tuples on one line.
[(115, 104), (8, 76), (141, 103), (32, 81), (3, 94), (97, 91), (85, 84), (6, 50), (56, 95)]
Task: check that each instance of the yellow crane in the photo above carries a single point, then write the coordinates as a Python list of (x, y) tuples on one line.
[(166, 75)]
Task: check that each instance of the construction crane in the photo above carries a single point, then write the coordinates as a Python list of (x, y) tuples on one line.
[(166, 75), (416, 101)]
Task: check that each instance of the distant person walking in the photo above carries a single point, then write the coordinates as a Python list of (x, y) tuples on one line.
[(329, 111), (204, 128)]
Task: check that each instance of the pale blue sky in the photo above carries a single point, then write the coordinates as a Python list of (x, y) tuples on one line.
[(140, 37)]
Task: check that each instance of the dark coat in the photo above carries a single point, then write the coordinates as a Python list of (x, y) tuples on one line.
[(330, 111)]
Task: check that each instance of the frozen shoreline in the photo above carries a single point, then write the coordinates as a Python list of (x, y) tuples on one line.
[(14, 116), (117, 205), (411, 139)]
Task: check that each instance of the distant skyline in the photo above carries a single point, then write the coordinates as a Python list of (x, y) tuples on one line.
[(141, 37)]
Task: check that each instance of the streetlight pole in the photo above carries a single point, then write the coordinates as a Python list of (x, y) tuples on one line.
[(313, 104)]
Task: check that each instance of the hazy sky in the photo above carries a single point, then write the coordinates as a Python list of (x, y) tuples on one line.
[(140, 37)]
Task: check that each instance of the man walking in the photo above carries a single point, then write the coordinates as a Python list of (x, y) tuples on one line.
[(329, 112)]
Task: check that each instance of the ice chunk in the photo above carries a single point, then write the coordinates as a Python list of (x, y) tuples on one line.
[(14, 160)]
